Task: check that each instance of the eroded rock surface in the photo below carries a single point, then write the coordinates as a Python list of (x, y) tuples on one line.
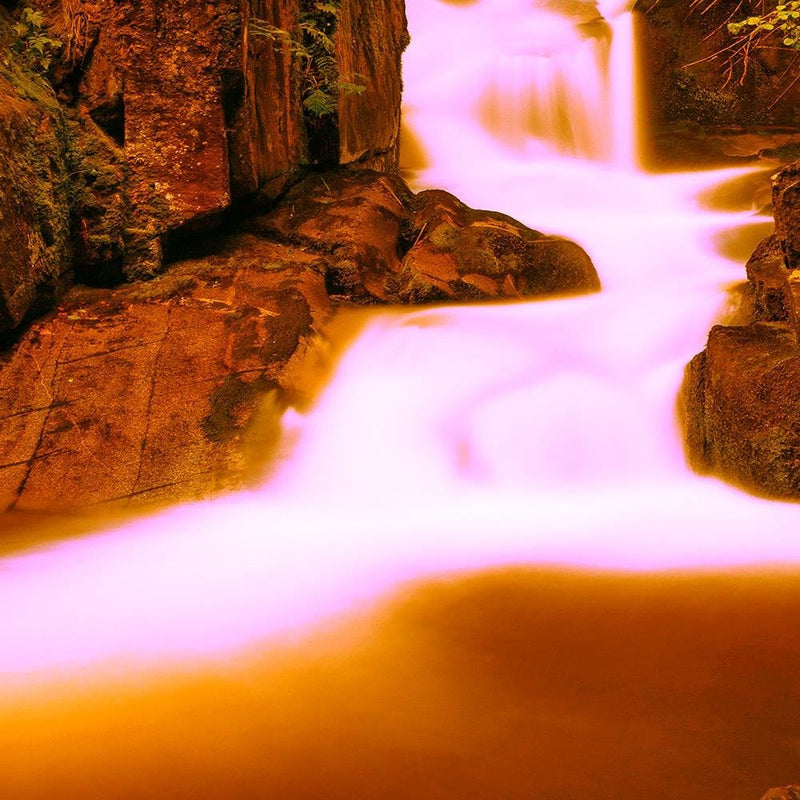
[(382, 243), (740, 401), (145, 393)]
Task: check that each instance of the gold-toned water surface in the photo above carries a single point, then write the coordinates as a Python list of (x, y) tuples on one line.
[(481, 568), (511, 684)]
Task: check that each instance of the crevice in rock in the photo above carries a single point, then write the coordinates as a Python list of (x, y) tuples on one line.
[(111, 119)]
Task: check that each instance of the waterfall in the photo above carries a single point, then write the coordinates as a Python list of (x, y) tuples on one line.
[(462, 439), (557, 80)]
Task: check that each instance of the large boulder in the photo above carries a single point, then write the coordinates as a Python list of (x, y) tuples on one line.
[(740, 401), (458, 253), (381, 243), (148, 392)]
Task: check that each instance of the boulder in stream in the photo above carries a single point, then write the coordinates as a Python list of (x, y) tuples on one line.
[(381, 243), (740, 400)]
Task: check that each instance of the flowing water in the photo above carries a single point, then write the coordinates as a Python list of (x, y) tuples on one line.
[(483, 569)]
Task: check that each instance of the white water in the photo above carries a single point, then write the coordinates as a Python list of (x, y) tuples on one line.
[(458, 438)]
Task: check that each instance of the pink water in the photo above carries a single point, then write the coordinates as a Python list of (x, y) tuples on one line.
[(453, 441)]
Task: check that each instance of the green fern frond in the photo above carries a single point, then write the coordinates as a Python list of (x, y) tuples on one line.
[(351, 88), (320, 103), (312, 47), (327, 8)]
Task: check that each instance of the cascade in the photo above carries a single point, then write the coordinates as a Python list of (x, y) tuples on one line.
[(461, 438), (451, 438), (555, 79)]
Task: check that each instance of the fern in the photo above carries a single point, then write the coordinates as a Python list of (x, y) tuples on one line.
[(313, 49), (320, 103), (34, 45), (327, 8)]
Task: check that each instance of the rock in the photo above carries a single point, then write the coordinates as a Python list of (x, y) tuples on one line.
[(179, 111), (381, 243), (370, 45), (783, 793), (35, 252), (769, 278), (462, 254), (148, 392), (740, 407), (740, 400), (262, 108), (354, 221), (786, 207)]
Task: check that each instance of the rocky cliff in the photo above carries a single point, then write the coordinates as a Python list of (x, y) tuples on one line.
[(740, 402), (157, 118)]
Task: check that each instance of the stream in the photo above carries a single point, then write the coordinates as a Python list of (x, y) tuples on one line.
[(483, 567)]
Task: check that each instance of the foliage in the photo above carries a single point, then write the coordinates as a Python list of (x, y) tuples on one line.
[(35, 47), (781, 24), (313, 49), (767, 27)]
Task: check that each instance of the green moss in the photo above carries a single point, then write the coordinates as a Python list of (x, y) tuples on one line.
[(444, 236), (165, 287)]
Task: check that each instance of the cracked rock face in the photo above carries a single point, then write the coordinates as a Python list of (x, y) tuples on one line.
[(740, 399), (382, 244), (145, 393)]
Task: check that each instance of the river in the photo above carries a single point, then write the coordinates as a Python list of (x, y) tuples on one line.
[(482, 567)]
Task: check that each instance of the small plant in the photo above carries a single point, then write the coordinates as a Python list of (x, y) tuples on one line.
[(35, 47), (313, 48)]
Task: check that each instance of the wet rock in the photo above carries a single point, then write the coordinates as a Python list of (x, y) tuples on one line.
[(740, 400), (147, 393), (786, 207), (459, 253), (769, 278), (354, 221), (783, 793), (741, 407), (383, 244)]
